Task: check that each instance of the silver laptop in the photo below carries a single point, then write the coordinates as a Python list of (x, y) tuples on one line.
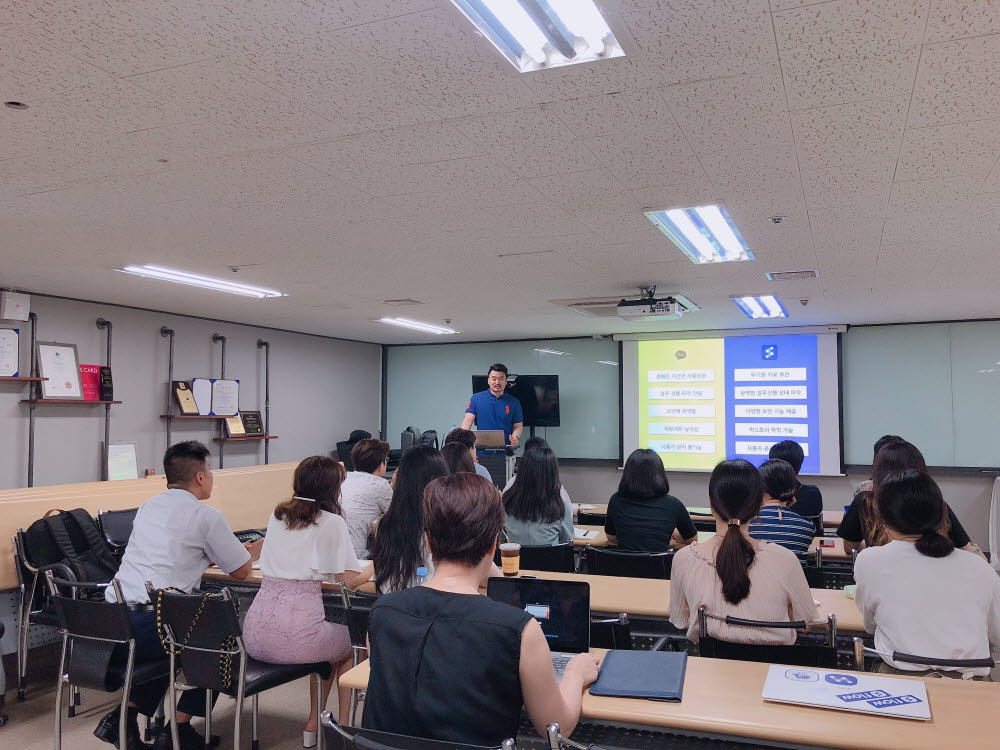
[(562, 608), (489, 438)]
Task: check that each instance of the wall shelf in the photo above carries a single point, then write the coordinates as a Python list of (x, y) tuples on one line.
[(191, 416), (245, 439), (65, 401), (20, 379)]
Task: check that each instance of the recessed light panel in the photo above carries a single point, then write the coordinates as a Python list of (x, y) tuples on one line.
[(759, 308), (542, 34), (555, 352), (418, 325), (705, 234), (790, 275), (205, 282)]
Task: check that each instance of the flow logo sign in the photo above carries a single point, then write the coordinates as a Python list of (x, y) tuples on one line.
[(769, 351), (841, 679), (801, 675)]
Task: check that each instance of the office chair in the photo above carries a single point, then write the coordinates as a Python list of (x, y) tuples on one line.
[(585, 518), (357, 610), (799, 655), (557, 558), (342, 738), (116, 528), (204, 638), (860, 650), (608, 562), (91, 631)]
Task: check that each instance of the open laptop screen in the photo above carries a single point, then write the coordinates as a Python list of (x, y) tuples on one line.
[(561, 607)]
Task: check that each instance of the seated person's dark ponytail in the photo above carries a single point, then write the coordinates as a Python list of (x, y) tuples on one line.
[(735, 492), (910, 503)]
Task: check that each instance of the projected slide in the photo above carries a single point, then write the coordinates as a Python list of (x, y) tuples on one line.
[(704, 400)]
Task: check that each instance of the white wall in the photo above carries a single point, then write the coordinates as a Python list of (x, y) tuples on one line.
[(321, 389), (969, 496)]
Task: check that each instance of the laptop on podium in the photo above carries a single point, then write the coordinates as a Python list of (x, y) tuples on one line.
[(562, 608), (489, 438)]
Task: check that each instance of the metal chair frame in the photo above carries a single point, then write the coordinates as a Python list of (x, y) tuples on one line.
[(24, 612), (860, 649), (356, 650), (241, 653), (704, 617), (326, 720), (63, 677), (558, 742)]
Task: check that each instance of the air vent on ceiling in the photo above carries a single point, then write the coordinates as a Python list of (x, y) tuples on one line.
[(607, 307), (789, 275), (400, 302)]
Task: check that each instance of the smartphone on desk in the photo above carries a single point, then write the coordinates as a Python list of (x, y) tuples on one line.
[(827, 543)]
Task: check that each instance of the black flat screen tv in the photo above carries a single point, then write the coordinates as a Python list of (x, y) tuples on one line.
[(538, 394)]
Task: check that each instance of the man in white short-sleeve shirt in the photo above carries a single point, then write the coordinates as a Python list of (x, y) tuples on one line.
[(175, 538), (365, 494)]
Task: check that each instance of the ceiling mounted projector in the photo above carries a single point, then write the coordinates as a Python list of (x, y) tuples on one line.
[(647, 307)]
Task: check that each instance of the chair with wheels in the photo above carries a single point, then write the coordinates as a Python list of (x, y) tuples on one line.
[(607, 562), (928, 662), (357, 609), (204, 638), (799, 655), (91, 631), (352, 738), (557, 558), (583, 518), (116, 526)]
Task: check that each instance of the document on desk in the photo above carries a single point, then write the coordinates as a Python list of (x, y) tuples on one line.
[(847, 691), (584, 533), (654, 675), (583, 506)]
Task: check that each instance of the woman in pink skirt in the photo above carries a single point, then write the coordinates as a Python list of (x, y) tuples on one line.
[(307, 543)]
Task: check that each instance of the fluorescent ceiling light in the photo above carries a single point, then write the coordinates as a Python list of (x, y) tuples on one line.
[(706, 234), (204, 282), (759, 308), (417, 325), (550, 351), (607, 362), (541, 34)]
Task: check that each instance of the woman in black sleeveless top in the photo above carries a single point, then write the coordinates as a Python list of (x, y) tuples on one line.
[(450, 664)]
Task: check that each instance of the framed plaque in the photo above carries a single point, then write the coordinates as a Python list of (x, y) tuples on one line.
[(225, 398), (252, 423), (61, 365), (106, 385), (234, 426), (9, 338), (184, 397)]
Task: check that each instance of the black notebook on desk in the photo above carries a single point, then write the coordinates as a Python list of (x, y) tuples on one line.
[(656, 675)]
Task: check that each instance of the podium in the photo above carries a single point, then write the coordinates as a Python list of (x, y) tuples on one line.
[(499, 462)]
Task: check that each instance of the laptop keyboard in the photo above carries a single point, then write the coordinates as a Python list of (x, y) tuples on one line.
[(559, 662)]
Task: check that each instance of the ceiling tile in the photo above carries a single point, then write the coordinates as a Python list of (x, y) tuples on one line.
[(980, 227), (594, 192), (693, 41), (339, 14), (992, 184), (859, 185), (947, 197), (957, 82), (592, 116), (957, 19), (611, 76), (732, 113), (640, 161), (900, 21), (857, 133), (531, 142), (948, 150), (632, 226)]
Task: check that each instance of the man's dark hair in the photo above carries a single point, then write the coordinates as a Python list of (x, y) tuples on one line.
[(499, 368), (790, 451), (463, 437), (183, 460), (368, 454)]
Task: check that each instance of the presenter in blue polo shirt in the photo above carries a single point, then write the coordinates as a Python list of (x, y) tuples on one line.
[(494, 409)]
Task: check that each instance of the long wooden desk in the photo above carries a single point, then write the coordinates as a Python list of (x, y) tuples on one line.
[(246, 496), (723, 697), (831, 518), (836, 552)]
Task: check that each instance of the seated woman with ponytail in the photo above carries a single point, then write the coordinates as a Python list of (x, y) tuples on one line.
[(732, 574), (775, 522), (916, 595)]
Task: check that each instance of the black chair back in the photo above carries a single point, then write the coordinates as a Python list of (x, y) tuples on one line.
[(611, 634), (357, 611), (800, 655), (205, 632), (557, 558), (116, 526), (344, 448), (583, 518), (353, 738), (606, 562)]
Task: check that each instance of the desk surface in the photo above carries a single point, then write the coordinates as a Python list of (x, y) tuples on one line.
[(724, 697), (831, 518), (836, 552)]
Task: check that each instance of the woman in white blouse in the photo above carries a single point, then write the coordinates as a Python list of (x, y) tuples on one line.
[(307, 543)]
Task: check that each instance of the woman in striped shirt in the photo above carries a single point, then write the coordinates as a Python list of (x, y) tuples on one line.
[(775, 522)]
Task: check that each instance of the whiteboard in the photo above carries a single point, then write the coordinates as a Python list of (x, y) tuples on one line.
[(429, 387), (936, 384)]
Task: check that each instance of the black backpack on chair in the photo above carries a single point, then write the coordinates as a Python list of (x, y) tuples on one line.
[(72, 539), (429, 438)]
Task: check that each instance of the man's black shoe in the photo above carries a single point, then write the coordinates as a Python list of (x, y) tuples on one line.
[(190, 738), (107, 729)]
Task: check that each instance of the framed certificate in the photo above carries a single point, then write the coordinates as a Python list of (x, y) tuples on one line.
[(234, 426), (122, 463), (225, 398), (61, 365), (9, 338), (252, 423)]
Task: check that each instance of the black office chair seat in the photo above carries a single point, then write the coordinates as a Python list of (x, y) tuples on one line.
[(146, 671), (45, 617), (262, 676)]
